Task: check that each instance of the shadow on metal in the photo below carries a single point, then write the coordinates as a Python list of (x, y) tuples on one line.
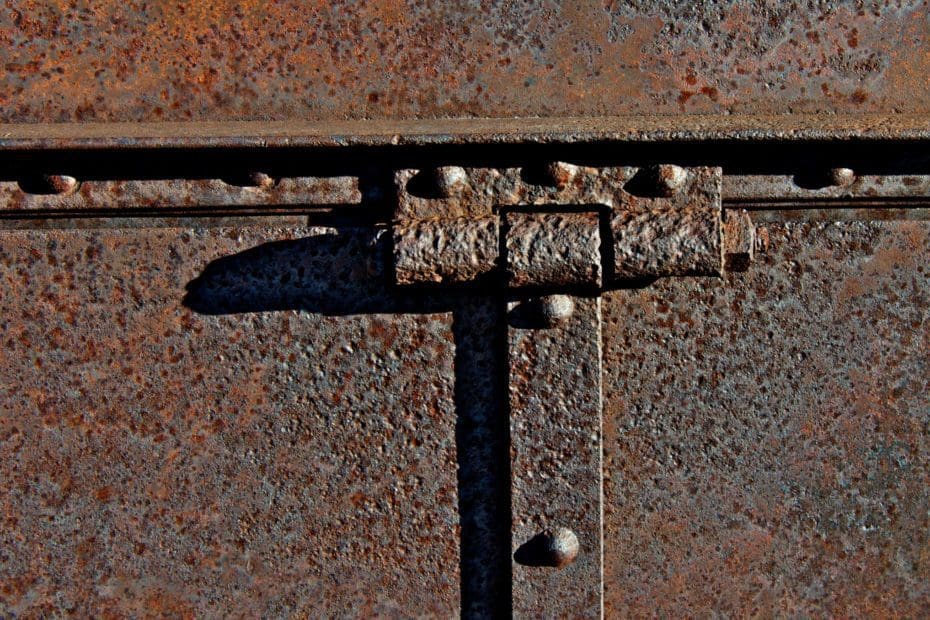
[(311, 275)]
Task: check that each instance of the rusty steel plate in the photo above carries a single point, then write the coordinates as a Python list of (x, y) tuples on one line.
[(766, 434), (131, 60), (225, 422)]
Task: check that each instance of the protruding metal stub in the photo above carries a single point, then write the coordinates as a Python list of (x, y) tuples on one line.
[(670, 179), (561, 174), (261, 179), (842, 177), (445, 251), (553, 249), (555, 309), (739, 240), (450, 180)]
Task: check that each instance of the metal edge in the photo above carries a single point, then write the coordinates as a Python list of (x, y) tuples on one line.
[(638, 128)]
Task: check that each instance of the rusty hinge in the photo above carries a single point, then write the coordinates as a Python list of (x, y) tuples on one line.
[(561, 229), (564, 226)]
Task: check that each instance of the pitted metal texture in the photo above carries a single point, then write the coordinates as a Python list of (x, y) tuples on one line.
[(766, 450), (446, 251), (663, 220), (132, 60), (553, 249)]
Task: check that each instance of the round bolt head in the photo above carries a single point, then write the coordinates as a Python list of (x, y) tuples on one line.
[(561, 174), (842, 177), (670, 179), (261, 179), (450, 180), (555, 309), (561, 546), (60, 183)]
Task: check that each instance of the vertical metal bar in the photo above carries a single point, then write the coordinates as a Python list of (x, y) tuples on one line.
[(556, 453)]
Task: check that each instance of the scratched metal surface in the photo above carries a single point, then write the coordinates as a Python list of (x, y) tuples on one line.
[(766, 435), (131, 60), (244, 438)]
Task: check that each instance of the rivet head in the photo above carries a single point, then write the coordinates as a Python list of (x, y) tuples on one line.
[(261, 179), (561, 174), (561, 546), (450, 180), (555, 547), (842, 177), (670, 179), (555, 309), (60, 183), (558, 547)]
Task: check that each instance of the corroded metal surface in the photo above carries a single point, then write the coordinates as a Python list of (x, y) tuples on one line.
[(555, 439), (675, 235), (445, 251), (661, 219), (738, 238), (766, 440), (130, 60), (181, 193), (272, 434), (838, 184), (553, 249), (743, 128), (667, 243), (558, 183)]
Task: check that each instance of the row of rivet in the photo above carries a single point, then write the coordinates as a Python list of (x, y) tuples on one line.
[(542, 245)]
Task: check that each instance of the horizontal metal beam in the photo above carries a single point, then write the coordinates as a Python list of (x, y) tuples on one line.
[(631, 128)]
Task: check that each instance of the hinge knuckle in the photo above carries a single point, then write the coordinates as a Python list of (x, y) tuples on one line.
[(671, 242), (553, 249), (448, 251), (545, 227)]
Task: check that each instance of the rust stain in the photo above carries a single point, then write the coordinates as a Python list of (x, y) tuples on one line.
[(221, 61), (743, 483)]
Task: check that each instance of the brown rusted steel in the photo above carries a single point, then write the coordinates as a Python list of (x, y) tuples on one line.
[(765, 434), (663, 220), (201, 419), (181, 193), (555, 439), (824, 186), (741, 128), (446, 251), (667, 243), (678, 234), (129, 60), (557, 183), (187, 428), (738, 239), (553, 249)]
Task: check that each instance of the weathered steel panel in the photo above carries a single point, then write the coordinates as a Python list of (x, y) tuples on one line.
[(130, 60), (226, 422), (766, 445), (555, 439)]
